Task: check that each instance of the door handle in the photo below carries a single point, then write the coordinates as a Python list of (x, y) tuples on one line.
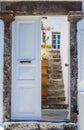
[(22, 62)]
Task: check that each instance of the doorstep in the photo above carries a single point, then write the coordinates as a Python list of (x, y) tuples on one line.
[(31, 125), (54, 115)]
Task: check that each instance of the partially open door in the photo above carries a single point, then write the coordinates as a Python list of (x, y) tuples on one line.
[(26, 68)]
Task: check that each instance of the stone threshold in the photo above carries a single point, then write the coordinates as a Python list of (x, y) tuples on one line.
[(52, 115), (36, 125)]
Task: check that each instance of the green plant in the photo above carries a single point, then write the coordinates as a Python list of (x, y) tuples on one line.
[(44, 57), (44, 74), (45, 45), (44, 84), (48, 46)]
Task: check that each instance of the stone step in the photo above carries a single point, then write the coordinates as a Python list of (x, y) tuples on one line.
[(54, 92), (52, 56), (55, 106), (55, 87), (53, 60), (54, 115), (54, 63), (55, 76), (55, 83), (54, 68), (41, 125), (55, 99), (55, 103), (57, 71), (52, 51)]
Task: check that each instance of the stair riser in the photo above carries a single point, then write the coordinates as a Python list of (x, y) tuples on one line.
[(52, 82), (56, 93), (55, 76), (57, 71), (50, 61), (55, 87), (51, 102), (55, 100), (57, 106), (53, 53)]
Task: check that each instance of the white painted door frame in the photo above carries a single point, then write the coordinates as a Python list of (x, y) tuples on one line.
[(80, 40), (1, 68)]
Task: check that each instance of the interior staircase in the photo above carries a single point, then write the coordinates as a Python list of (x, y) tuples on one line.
[(56, 94)]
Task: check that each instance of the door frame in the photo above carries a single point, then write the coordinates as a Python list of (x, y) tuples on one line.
[(1, 68), (74, 14)]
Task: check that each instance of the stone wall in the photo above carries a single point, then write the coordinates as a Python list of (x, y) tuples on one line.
[(7, 72), (42, 7)]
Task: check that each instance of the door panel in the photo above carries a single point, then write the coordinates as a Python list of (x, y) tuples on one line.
[(26, 69), (29, 37), (26, 73)]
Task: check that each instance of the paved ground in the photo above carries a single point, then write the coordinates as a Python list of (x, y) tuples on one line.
[(55, 115)]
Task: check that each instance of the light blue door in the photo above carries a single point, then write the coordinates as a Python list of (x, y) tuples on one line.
[(26, 79)]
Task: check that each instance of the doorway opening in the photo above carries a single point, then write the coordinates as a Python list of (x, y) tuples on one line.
[(55, 68), (53, 43)]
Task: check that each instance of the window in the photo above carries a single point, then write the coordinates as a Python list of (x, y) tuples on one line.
[(56, 40)]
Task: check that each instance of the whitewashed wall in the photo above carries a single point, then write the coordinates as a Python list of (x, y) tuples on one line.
[(1, 67), (65, 53), (60, 24)]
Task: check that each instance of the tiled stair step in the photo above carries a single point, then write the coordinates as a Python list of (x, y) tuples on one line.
[(56, 71), (55, 99), (53, 65), (55, 82), (53, 51), (54, 60), (55, 86), (59, 92), (56, 66), (55, 103), (50, 56), (56, 76), (55, 106)]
